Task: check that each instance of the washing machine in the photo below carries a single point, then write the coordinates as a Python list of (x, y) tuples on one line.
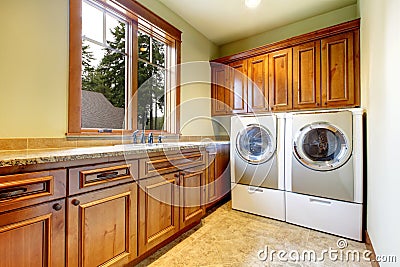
[(257, 164), (324, 171)]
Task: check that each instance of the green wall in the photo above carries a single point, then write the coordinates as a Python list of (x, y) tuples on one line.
[(294, 29)]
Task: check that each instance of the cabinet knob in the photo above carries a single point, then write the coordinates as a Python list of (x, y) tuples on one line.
[(75, 202), (57, 207), (176, 175)]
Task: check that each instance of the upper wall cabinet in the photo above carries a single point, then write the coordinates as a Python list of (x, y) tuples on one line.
[(238, 86), (257, 71), (220, 93), (306, 76), (339, 77), (314, 70), (280, 80)]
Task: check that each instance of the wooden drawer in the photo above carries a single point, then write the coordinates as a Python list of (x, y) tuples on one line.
[(89, 178), (157, 165), (20, 190)]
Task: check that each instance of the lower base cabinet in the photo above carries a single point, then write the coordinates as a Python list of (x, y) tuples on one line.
[(102, 227), (192, 197), (158, 212), (167, 204), (33, 236)]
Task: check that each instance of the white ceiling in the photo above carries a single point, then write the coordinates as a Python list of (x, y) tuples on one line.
[(224, 21)]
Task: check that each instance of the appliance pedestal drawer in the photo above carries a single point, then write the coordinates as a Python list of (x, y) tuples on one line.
[(327, 215), (257, 200)]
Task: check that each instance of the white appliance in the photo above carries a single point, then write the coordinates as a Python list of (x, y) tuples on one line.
[(257, 164), (324, 171)]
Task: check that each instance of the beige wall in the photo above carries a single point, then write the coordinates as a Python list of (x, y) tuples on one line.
[(33, 68), (297, 28), (380, 86)]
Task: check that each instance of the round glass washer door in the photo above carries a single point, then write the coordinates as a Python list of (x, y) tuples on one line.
[(255, 144), (321, 146)]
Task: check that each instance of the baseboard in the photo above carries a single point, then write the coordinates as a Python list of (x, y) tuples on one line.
[(369, 246)]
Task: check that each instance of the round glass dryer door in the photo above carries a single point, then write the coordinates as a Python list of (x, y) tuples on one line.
[(255, 144), (322, 146)]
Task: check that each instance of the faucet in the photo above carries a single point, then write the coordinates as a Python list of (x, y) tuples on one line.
[(134, 135), (160, 137), (142, 138), (150, 140)]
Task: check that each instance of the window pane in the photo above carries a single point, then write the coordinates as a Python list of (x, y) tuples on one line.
[(158, 53), (103, 87), (144, 46), (92, 22), (151, 101), (115, 32)]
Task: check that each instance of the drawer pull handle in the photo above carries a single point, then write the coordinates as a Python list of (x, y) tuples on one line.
[(7, 193), (320, 201), (251, 189), (75, 202), (57, 207), (107, 175)]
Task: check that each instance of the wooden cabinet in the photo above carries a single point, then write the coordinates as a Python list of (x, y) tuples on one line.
[(220, 92), (102, 227), (238, 86), (307, 76), (168, 204), (338, 67), (280, 80), (32, 218), (33, 236), (158, 210), (218, 179), (191, 197), (315, 70), (257, 72)]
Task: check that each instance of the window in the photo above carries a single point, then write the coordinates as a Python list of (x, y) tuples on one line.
[(121, 61)]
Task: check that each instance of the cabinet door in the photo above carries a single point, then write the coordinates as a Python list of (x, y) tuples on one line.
[(280, 79), (158, 210), (306, 75), (338, 71), (220, 93), (238, 81), (218, 175), (192, 194), (102, 227), (33, 236), (258, 83)]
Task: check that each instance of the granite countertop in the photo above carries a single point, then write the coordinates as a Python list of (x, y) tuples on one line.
[(36, 156)]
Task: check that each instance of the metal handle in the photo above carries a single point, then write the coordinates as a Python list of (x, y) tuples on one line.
[(107, 175), (252, 189), (6, 193), (75, 202), (320, 201), (57, 207)]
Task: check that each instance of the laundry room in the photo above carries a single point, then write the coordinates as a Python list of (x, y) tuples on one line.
[(199, 133)]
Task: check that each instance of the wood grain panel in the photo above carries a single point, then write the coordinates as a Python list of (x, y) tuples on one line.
[(20, 190), (158, 216), (338, 82), (191, 186), (220, 94), (258, 83), (238, 86), (33, 236), (280, 79), (102, 227), (306, 76)]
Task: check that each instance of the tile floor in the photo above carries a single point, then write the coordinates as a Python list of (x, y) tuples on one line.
[(232, 238)]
